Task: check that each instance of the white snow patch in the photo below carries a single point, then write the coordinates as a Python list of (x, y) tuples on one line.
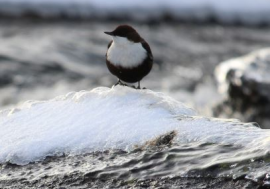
[(86, 121), (111, 118), (254, 66)]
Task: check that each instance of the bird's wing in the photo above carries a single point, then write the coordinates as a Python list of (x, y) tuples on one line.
[(109, 47), (147, 48), (110, 44)]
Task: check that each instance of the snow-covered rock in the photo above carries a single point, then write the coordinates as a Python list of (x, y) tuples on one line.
[(111, 118), (246, 81), (86, 121)]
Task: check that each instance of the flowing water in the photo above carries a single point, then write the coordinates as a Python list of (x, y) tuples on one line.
[(197, 160)]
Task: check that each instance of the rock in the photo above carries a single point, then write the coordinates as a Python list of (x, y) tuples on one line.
[(246, 83), (160, 141)]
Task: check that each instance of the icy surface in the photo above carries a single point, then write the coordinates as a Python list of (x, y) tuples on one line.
[(245, 11), (85, 121), (116, 118)]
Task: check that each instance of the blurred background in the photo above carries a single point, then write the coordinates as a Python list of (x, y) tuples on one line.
[(51, 47)]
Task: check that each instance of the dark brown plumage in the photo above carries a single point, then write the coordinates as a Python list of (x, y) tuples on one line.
[(134, 73)]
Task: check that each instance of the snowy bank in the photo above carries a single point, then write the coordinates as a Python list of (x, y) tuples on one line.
[(105, 118)]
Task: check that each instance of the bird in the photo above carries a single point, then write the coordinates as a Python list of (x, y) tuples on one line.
[(129, 56)]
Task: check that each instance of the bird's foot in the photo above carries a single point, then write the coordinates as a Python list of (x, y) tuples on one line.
[(133, 86), (139, 87), (119, 82)]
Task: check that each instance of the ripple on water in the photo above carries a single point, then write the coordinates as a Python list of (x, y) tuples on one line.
[(187, 160)]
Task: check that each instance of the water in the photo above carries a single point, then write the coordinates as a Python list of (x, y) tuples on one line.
[(189, 160)]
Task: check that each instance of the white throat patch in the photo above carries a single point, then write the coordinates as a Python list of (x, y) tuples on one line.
[(125, 53)]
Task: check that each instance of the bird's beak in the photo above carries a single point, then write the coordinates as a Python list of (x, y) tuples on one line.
[(109, 33)]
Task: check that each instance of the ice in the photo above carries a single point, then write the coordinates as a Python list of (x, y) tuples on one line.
[(245, 11), (86, 121), (110, 118)]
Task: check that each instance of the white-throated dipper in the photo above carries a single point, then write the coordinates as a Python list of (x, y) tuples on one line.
[(129, 56)]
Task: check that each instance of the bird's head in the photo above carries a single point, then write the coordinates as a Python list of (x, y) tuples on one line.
[(124, 34)]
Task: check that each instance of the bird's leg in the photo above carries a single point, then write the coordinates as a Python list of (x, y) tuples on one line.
[(118, 82), (123, 84), (139, 86)]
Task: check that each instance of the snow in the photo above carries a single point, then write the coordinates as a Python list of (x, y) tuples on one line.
[(246, 11), (111, 118), (254, 66), (100, 119)]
